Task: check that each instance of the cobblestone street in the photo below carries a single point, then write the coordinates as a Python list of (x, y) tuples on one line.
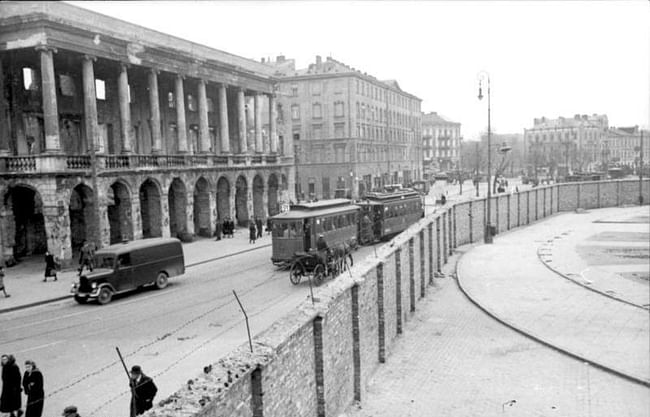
[(455, 361)]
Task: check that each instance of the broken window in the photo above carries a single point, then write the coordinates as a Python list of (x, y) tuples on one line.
[(191, 103), (100, 89), (66, 85), (171, 103), (30, 79)]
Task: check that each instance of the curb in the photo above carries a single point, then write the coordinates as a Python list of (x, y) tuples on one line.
[(65, 297), (540, 340)]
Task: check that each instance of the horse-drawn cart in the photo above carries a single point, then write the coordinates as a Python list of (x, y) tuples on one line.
[(319, 265)]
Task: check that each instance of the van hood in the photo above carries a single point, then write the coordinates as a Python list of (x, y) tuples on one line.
[(98, 273)]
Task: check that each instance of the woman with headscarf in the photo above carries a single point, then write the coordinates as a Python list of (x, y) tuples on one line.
[(33, 386), (10, 400)]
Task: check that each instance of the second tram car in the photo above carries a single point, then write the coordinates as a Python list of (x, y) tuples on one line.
[(389, 214), (296, 230)]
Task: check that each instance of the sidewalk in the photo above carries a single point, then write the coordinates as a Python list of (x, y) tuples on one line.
[(24, 282), (509, 281)]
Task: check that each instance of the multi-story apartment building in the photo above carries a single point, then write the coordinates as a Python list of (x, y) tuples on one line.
[(565, 144), (622, 146), (441, 141), (111, 131), (350, 131)]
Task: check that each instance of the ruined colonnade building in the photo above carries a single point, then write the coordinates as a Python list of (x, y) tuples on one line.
[(176, 128)]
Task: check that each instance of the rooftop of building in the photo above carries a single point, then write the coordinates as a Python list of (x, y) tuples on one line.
[(596, 120), (286, 68), (433, 118), (16, 16)]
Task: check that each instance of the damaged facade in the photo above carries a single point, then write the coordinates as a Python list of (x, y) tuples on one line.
[(177, 131)]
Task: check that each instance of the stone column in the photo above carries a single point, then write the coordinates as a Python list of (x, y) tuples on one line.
[(50, 110), (241, 114), (90, 101), (273, 123), (223, 120), (5, 116), (259, 144), (125, 109), (180, 115), (154, 106), (203, 118)]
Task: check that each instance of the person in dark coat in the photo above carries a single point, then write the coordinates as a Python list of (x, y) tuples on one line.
[(10, 399), (260, 227), (87, 256), (252, 232), (143, 391), (217, 229), (33, 386), (50, 267), (269, 226)]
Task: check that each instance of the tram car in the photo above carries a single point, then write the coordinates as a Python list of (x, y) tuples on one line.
[(384, 215), (297, 230), (343, 224)]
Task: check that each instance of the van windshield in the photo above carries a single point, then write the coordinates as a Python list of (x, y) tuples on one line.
[(105, 261)]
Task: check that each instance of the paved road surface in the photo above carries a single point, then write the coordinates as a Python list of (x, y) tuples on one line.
[(171, 333), (453, 360)]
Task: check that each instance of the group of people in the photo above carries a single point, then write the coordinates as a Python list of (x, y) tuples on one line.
[(143, 390), (225, 228), (13, 384)]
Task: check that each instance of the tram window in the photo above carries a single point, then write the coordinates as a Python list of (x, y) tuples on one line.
[(280, 230)]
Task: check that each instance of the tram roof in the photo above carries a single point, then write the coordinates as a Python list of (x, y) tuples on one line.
[(387, 197), (321, 204), (297, 212)]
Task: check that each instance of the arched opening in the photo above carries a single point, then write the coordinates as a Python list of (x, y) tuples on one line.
[(202, 225), (177, 200), (150, 210), (81, 216), (119, 213), (273, 206), (24, 224), (241, 201), (223, 198), (258, 197)]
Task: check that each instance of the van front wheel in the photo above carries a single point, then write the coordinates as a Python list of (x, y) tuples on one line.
[(161, 280), (105, 296)]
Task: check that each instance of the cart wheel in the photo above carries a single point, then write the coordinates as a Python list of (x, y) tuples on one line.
[(296, 272), (319, 274)]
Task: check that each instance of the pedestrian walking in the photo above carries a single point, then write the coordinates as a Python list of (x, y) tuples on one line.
[(10, 400), (2, 282), (86, 257), (260, 227), (268, 225), (50, 266), (70, 411), (252, 232), (217, 229), (33, 386), (143, 391)]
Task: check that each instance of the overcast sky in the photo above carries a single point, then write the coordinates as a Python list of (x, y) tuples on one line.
[(546, 58)]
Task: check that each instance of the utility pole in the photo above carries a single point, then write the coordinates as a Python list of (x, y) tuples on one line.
[(476, 178), (641, 169)]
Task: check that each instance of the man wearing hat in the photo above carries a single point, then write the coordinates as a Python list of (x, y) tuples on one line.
[(143, 391), (70, 411)]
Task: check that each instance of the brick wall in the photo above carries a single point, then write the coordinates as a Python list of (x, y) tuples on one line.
[(318, 359)]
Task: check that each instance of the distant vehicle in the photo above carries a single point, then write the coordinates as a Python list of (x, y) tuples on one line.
[(441, 176), (616, 173), (390, 188), (127, 266)]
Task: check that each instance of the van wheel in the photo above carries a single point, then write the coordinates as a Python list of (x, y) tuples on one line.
[(161, 280), (105, 296), (81, 300)]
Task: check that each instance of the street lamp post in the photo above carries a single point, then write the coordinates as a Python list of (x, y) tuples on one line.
[(487, 236), (641, 169), (476, 178)]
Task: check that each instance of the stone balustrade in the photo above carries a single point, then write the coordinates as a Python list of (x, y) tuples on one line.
[(53, 163)]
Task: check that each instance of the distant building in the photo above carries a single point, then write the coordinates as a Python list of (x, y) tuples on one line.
[(621, 146), (565, 144), (350, 132), (441, 140)]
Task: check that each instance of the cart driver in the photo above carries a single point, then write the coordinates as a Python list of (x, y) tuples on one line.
[(322, 248)]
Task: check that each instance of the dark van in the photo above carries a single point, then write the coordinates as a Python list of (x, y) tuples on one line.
[(127, 266)]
